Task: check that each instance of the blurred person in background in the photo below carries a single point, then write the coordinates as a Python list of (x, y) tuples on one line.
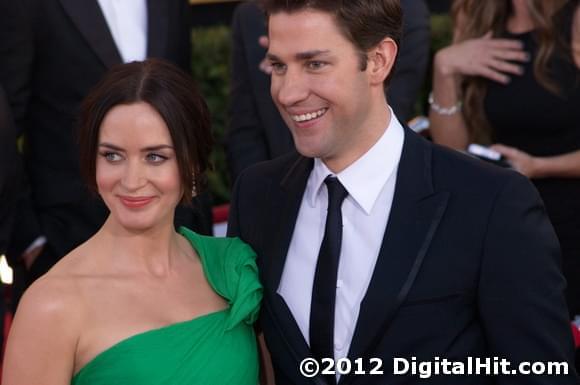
[(10, 174), (51, 53), (256, 132), (11, 186), (512, 78)]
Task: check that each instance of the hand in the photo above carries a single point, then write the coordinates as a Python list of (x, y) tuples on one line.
[(521, 161), (30, 255), (489, 57), (265, 65)]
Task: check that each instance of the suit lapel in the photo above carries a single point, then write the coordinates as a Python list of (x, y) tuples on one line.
[(287, 198), (285, 204), (415, 214), (90, 21), (157, 27)]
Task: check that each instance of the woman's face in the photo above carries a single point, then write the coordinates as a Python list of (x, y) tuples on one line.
[(136, 170)]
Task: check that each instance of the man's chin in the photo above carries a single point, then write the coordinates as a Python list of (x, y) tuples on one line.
[(308, 152), (307, 145)]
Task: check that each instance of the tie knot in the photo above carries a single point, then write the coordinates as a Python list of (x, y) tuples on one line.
[(336, 191)]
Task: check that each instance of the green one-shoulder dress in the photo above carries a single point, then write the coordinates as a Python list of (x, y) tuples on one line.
[(217, 348)]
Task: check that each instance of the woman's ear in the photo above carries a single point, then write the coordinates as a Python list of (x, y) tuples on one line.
[(381, 60)]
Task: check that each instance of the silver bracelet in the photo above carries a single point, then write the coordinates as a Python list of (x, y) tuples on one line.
[(447, 111)]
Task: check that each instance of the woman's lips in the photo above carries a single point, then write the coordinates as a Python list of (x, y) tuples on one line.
[(135, 202)]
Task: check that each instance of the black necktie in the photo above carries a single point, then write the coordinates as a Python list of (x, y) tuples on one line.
[(324, 288)]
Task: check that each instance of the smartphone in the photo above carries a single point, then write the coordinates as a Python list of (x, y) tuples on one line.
[(487, 154)]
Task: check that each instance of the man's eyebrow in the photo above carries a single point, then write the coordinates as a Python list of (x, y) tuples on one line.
[(301, 55), (272, 57), (311, 54)]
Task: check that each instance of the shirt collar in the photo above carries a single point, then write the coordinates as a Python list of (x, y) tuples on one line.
[(366, 177)]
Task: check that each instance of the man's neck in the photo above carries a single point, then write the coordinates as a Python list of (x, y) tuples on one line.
[(375, 127)]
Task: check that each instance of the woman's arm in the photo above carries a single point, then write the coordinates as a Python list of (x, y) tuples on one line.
[(487, 57), (446, 129), (558, 166), (42, 341), (266, 369)]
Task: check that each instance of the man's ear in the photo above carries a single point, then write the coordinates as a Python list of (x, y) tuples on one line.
[(381, 60)]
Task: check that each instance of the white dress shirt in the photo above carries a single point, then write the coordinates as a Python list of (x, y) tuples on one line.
[(127, 21), (370, 182)]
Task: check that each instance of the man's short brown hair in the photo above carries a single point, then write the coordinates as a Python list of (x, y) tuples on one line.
[(365, 23)]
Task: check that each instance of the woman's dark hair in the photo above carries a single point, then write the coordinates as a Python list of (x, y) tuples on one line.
[(173, 94)]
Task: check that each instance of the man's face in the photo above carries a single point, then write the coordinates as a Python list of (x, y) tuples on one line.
[(318, 86)]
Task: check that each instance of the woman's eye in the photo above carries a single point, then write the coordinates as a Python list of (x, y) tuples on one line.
[(111, 156), (155, 158)]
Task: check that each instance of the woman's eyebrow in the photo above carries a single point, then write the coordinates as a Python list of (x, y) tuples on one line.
[(148, 148)]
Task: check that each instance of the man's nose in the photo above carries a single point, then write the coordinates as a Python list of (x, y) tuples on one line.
[(290, 88)]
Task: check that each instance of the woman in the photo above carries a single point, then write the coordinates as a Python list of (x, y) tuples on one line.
[(511, 77), (140, 303)]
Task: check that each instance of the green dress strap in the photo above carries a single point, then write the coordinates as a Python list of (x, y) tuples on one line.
[(216, 348)]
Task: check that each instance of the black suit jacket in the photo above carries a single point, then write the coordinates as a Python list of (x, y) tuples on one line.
[(469, 266), (256, 132), (51, 53), (11, 182)]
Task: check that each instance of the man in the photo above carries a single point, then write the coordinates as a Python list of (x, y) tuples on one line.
[(51, 53), (377, 246), (256, 132)]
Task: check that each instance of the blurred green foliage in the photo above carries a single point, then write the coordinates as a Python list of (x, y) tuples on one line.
[(210, 67), (441, 31), (441, 35)]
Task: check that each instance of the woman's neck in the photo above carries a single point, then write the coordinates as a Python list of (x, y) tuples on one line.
[(154, 251), (520, 20)]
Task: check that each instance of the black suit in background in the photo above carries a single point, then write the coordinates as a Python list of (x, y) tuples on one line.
[(469, 266), (10, 173), (256, 131), (51, 53), (11, 186)]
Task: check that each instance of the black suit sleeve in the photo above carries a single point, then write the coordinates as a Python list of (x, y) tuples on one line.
[(233, 218), (412, 61), (16, 60), (16, 54), (246, 141), (10, 173), (184, 59), (521, 288)]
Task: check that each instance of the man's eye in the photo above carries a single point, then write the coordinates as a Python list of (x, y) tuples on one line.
[(111, 156), (155, 158), (316, 65), (278, 68)]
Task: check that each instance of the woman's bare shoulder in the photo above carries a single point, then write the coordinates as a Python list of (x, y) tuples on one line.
[(53, 299), (47, 324), (55, 302)]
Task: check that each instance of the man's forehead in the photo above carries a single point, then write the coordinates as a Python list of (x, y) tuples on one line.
[(304, 33)]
